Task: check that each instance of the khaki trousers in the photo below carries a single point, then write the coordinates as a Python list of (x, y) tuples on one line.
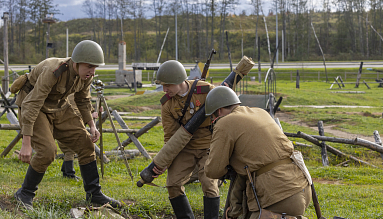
[(68, 129), (181, 169), (293, 206), (68, 153)]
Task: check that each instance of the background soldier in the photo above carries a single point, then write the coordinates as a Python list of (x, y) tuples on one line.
[(45, 115), (172, 76), (250, 137)]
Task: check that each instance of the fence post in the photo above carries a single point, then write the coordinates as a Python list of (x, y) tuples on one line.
[(297, 80), (318, 75)]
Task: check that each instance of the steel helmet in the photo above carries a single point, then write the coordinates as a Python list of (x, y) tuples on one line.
[(171, 72), (219, 97), (88, 51)]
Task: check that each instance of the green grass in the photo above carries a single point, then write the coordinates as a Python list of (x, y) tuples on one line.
[(351, 192)]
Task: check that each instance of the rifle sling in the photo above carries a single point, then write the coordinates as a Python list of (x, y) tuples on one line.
[(188, 101)]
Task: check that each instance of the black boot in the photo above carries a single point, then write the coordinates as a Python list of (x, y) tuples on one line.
[(181, 207), (211, 207), (68, 170), (92, 187), (27, 191)]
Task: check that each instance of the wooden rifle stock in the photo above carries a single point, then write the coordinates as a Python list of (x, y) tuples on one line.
[(207, 65)]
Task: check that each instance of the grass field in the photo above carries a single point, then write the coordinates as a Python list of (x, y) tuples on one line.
[(351, 192)]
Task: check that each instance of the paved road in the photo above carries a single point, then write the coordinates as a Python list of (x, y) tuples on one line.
[(297, 65)]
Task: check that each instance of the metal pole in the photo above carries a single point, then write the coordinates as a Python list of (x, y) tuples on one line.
[(176, 35), (283, 48), (67, 42), (46, 50), (5, 80), (276, 27)]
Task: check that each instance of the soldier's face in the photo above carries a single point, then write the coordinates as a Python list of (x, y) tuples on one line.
[(171, 89), (86, 71)]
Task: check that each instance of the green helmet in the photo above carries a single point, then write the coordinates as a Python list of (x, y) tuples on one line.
[(219, 97), (88, 51), (171, 72)]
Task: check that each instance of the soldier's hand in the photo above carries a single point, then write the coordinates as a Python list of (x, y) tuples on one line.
[(95, 115), (95, 135), (26, 150), (158, 171)]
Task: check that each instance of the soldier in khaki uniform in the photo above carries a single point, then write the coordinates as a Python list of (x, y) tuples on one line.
[(45, 115), (172, 76), (250, 137), (67, 167)]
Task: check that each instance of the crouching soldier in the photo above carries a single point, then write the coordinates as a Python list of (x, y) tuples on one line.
[(182, 100), (45, 115), (244, 137)]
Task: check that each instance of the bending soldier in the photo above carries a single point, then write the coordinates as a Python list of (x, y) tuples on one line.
[(45, 115), (179, 91), (67, 167), (250, 137)]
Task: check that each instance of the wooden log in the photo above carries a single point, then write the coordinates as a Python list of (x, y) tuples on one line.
[(142, 131), (134, 139), (356, 141), (378, 140), (297, 80), (17, 127), (341, 81), (9, 127), (366, 84), (368, 144), (325, 161), (98, 151), (11, 145), (271, 105), (359, 76), (118, 130), (336, 80), (332, 150), (139, 117), (343, 163), (119, 152), (301, 144)]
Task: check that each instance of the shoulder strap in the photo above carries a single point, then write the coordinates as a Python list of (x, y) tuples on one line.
[(188, 100), (165, 98), (204, 89), (63, 67)]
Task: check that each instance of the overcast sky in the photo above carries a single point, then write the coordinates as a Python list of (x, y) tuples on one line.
[(71, 9)]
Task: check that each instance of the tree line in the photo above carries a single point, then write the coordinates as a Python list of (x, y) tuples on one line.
[(346, 29)]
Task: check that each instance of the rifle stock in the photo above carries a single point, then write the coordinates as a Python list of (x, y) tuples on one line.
[(207, 65)]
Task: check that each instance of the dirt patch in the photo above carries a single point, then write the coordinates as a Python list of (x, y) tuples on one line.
[(6, 204), (289, 118)]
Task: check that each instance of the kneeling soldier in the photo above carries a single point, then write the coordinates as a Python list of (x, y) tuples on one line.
[(244, 137)]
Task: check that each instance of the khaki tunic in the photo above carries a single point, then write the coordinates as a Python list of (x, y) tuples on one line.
[(45, 113), (195, 152), (251, 137)]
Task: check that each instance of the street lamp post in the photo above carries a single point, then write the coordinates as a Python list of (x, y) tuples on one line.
[(49, 21), (5, 80)]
